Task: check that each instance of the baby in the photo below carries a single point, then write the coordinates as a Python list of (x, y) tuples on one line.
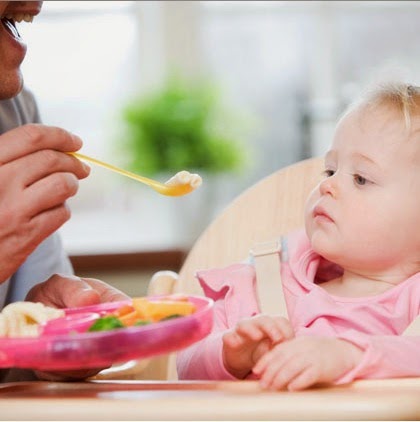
[(352, 280)]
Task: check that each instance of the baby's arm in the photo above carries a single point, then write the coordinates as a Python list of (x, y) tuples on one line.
[(231, 354), (250, 339), (304, 361), (203, 360), (384, 357)]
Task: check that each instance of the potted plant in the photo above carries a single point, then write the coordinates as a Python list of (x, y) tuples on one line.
[(181, 126), (185, 126)]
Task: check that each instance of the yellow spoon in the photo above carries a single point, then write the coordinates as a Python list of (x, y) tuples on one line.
[(182, 183)]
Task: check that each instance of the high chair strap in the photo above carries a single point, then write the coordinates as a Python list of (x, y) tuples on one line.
[(267, 260), (269, 286)]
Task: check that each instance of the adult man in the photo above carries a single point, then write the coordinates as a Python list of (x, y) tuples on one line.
[(37, 176)]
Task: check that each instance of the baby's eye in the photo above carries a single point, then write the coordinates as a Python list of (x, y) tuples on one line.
[(328, 173), (359, 180)]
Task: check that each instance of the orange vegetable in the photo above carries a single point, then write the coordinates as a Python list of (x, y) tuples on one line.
[(158, 309), (130, 318), (124, 310)]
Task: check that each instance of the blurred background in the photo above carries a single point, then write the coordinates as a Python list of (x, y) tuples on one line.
[(233, 90)]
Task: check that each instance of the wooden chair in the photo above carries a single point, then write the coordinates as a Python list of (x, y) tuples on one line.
[(272, 206), (263, 212)]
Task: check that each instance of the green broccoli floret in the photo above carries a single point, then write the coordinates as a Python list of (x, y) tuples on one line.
[(106, 323)]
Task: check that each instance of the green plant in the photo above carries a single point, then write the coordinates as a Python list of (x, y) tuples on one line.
[(181, 126)]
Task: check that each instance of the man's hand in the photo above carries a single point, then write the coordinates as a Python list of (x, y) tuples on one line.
[(36, 178), (65, 292), (71, 292), (305, 361), (252, 338)]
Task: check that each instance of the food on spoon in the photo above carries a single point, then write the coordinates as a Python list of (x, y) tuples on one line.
[(185, 178), (23, 319)]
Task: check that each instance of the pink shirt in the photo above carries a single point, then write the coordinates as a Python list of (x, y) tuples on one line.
[(372, 323)]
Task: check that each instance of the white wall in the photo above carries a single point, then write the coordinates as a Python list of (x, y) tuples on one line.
[(290, 66)]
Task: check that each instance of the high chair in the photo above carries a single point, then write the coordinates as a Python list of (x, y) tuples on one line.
[(261, 214), (251, 224), (272, 206)]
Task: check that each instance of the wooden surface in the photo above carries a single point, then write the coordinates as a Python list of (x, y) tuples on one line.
[(165, 259), (268, 209), (241, 400)]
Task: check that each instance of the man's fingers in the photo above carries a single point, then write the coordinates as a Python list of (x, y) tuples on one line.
[(30, 138), (64, 292), (40, 164), (106, 292), (46, 223), (50, 192)]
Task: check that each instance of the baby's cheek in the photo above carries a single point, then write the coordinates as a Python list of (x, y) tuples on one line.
[(308, 221)]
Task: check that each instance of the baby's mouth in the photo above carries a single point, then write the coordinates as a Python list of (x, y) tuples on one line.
[(10, 26)]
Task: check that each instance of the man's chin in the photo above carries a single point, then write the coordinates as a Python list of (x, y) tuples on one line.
[(11, 88)]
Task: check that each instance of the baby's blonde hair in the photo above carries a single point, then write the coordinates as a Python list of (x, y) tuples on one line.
[(402, 97)]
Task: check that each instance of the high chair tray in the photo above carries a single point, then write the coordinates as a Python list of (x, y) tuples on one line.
[(62, 346)]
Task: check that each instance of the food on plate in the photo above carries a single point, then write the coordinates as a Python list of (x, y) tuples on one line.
[(23, 319), (28, 319), (106, 323), (143, 311)]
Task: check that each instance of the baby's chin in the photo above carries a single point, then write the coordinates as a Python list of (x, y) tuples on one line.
[(323, 246)]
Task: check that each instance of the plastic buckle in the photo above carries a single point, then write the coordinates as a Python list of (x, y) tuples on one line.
[(266, 248)]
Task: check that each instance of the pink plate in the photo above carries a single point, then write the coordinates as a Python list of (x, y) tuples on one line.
[(64, 343)]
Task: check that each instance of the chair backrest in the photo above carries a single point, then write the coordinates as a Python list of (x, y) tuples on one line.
[(271, 207), (266, 210)]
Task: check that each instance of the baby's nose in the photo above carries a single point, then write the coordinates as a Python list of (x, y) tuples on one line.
[(329, 186)]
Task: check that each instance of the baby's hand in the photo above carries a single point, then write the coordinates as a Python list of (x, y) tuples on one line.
[(250, 339), (305, 361)]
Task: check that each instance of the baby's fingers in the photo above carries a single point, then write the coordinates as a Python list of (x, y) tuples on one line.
[(264, 362), (308, 377), (279, 368), (233, 340), (283, 325), (288, 375), (274, 358), (259, 327)]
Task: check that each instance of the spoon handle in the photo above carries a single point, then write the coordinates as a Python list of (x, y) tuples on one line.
[(115, 169)]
